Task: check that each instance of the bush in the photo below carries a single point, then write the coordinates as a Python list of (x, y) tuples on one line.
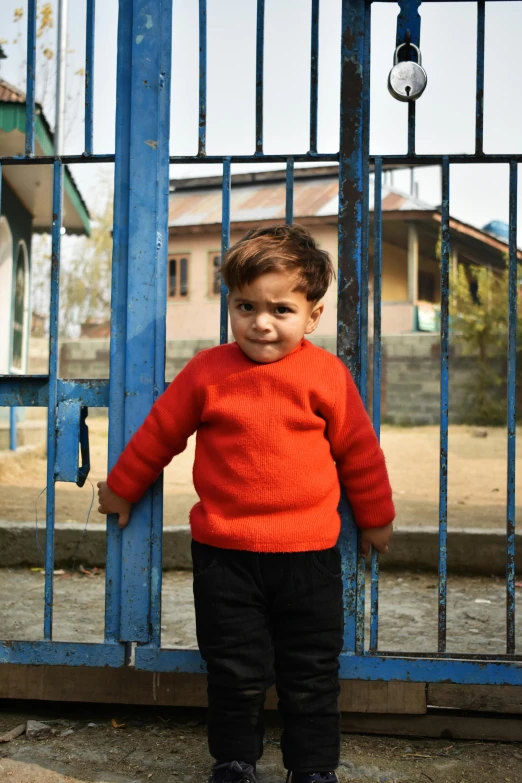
[(479, 325)]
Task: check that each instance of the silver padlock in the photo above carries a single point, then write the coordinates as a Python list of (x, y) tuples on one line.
[(407, 80)]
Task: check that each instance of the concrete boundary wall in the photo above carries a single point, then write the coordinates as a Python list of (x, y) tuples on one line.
[(470, 551), (410, 372)]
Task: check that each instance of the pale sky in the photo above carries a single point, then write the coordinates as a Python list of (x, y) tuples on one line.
[(445, 113)]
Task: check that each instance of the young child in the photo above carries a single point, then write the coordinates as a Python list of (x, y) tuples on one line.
[(280, 425)]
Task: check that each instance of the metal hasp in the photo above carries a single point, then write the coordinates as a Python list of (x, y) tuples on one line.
[(72, 436), (407, 80), (408, 32)]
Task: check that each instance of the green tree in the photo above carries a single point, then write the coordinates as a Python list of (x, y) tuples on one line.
[(479, 326), (85, 290), (85, 274)]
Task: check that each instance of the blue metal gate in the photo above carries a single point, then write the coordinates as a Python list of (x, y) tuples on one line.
[(137, 365)]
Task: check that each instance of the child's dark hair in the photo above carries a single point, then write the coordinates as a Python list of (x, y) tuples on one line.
[(276, 249)]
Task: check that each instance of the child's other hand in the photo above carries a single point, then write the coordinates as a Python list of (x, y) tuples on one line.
[(378, 537), (111, 503)]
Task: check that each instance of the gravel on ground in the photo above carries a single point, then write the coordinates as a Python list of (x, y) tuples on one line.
[(407, 610), (137, 745)]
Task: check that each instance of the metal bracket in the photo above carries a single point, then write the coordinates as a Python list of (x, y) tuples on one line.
[(72, 436)]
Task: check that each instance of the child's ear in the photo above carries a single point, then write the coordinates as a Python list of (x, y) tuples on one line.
[(315, 317)]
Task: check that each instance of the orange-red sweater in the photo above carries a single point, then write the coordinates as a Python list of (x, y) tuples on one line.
[(273, 441)]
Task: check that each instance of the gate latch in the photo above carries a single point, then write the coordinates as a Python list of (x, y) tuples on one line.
[(72, 437)]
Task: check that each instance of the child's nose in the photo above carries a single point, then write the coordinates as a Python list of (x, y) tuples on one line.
[(262, 321)]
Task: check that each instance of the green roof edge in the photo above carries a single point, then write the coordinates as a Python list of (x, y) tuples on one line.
[(12, 117)]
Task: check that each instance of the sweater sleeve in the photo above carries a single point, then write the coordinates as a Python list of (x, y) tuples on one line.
[(173, 418), (358, 455)]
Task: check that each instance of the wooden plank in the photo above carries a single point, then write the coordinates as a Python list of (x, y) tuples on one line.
[(406, 698), (481, 698), (129, 686), (453, 726), (102, 685)]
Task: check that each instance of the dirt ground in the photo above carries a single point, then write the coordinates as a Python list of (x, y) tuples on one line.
[(477, 479), (407, 610), (163, 747)]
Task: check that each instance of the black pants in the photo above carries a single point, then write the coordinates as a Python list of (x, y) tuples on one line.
[(261, 617)]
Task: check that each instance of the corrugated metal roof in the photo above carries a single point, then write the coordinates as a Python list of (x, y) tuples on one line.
[(319, 197)]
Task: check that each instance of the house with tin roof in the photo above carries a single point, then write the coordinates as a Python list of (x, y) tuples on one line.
[(410, 231), (26, 209)]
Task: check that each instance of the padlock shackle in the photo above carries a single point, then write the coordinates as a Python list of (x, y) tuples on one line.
[(413, 46)]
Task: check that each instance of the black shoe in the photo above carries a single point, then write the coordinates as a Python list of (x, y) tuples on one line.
[(311, 777), (233, 772)]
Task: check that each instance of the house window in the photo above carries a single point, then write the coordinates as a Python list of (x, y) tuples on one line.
[(214, 275), (179, 276)]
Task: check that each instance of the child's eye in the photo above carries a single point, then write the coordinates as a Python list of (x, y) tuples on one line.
[(246, 307), (282, 310)]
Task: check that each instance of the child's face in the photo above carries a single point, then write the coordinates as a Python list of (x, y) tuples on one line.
[(269, 319)]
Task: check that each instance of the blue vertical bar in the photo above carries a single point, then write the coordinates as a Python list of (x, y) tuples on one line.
[(161, 263), (89, 76), (376, 394), (377, 296), (479, 110), (314, 75), (119, 310), (12, 428), (12, 409), (351, 198), (31, 75), (225, 244), (408, 23), (202, 126), (53, 385), (289, 211), (511, 408), (374, 601), (363, 379), (363, 336), (260, 54), (411, 128), (361, 600), (444, 391), (408, 31), (148, 154)]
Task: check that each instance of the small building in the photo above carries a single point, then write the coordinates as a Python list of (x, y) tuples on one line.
[(410, 229), (26, 208)]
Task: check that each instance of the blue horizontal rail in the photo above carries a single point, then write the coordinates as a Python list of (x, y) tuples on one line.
[(361, 667), (39, 653), (32, 391), (389, 161)]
